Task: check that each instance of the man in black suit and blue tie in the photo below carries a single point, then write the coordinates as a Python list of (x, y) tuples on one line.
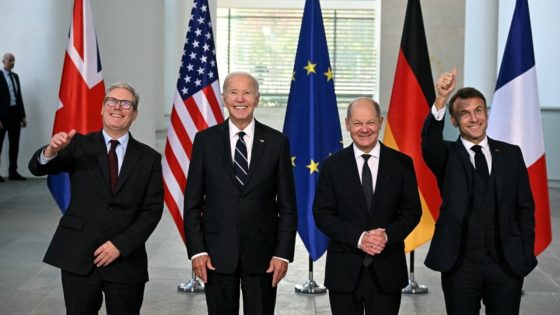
[(12, 113), (484, 236), (366, 202), (240, 213)]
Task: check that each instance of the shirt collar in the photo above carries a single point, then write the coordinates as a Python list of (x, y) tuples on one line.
[(123, 141), (468, 145), (249, 130), (374, 152)]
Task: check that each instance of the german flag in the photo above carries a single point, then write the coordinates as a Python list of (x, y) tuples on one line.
[(412, 96)]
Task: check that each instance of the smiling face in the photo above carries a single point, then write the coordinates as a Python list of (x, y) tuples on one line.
[(241, 97), (470, 115), (116, 120), (363, 123)]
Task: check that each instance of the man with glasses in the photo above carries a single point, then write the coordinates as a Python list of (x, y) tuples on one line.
[(116, 203)]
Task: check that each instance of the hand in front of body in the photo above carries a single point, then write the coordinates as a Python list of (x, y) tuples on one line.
[(373, 241), (106, 254)]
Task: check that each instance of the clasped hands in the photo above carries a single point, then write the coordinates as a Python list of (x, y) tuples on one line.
[(373, 241)]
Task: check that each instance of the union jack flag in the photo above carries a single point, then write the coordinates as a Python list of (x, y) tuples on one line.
[(81, 90), (196, 106)]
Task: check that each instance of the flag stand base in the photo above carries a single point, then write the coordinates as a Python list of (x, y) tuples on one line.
[(413, 287), (192, 286), (310, 287)]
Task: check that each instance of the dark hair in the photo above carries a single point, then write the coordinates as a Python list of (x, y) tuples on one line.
[(464, 93)]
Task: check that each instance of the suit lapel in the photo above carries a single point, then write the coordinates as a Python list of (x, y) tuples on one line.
[(258, 145), (465, 160), (354, 183), (102, 158), (384, 173), (498, 168), (224, 147), (131, 158)]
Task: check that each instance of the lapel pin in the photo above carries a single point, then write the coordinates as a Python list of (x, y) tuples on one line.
[(261, 140)]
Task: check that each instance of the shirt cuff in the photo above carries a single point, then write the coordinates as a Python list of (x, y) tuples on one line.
[(199, 254), (43, 159), (360, 240), (283, 259), (438, 114)]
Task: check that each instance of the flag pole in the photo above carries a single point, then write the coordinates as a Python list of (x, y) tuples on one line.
[(192, 286), (310, 286), (413, 287)]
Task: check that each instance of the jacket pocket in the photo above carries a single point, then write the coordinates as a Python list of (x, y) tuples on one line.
[(73, 222), (210, 227)]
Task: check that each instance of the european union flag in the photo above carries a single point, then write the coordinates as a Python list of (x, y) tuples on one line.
[(311, 122)]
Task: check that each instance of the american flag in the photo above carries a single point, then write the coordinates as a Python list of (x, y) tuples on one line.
[(196, 106), (81, 90)]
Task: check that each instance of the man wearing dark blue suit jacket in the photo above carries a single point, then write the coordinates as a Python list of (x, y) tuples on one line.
[(484, 236), (240, 213), (12, 113), (116, 203), (366, 202)]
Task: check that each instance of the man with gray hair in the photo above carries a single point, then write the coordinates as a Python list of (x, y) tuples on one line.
[(116, 203)]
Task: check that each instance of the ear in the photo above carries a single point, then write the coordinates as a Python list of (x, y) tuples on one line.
[(453, 121), (347, 123)]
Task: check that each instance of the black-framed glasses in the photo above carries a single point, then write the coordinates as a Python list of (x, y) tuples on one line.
[(112, 102)]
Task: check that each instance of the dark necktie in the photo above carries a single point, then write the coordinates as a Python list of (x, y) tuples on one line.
[(240, 161), (113, 164), (480, 162), (13, 82), (367, 184)]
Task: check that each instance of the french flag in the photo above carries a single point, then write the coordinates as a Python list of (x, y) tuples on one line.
[(81, 90), (516, 118)]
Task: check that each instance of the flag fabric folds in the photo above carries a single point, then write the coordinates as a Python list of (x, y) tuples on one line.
[(81, 90), (311, 123), (516, 118), (196, 106), (411, 98)]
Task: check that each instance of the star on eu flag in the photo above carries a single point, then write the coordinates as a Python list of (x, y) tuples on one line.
[(310, 67), (313, 167)]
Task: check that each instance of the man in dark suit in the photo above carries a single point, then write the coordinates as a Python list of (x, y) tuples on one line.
[(12, 113), (484, 235), (116, 203), (240, 214), (366, 202)]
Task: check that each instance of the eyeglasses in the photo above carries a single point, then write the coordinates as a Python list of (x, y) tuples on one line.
[(112, 102)]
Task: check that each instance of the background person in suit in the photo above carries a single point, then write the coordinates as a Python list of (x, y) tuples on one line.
[(240, 213), (366, 202), (116, 203), (484, 236), (12, 113)]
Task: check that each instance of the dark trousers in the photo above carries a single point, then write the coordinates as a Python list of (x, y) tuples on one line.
[(489, 281), (13, 128), (222, 293), (368, 297), (83, 295)]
